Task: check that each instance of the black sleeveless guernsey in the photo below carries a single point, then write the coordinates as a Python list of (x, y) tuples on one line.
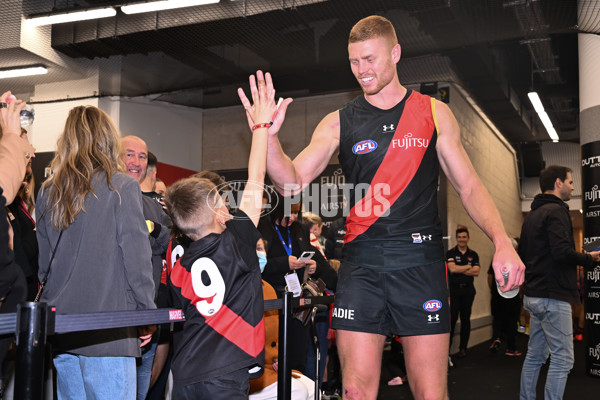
[(389, 157)]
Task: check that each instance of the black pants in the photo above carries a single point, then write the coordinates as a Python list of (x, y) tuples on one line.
[(506, 314), (12, 282), (461, 301), (234, 386)]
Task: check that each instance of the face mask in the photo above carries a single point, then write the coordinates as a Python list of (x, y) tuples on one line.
[(262, 260)]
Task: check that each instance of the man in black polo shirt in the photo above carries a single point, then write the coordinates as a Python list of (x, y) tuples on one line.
[(463, 265)]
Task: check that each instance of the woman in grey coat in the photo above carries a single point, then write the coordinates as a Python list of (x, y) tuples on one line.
[(102, 261)]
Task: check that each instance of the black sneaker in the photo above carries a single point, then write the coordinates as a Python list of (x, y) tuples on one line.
[(495, 346)]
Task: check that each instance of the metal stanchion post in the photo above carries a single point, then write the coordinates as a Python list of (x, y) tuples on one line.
[(315, 339), (284, 374), (31, 345)]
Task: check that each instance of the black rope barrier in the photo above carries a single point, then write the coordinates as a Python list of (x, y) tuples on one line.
[(64, 323), (8, 323), (33, 322)]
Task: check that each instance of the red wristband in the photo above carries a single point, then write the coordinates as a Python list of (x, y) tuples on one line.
[(263, 125)]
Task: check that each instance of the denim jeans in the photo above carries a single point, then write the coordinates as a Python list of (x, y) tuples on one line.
[(81, 377), (322, 327), (550, 333), (144, 368)]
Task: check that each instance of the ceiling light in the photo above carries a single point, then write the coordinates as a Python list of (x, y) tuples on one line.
[(539, 108), (163, 5), (71, 16), (23, 71), (535, 100)]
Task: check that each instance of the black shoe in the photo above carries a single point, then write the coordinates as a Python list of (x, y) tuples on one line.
[(495, 346)]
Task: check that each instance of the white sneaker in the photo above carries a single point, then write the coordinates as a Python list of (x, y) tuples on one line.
[(450, 363)]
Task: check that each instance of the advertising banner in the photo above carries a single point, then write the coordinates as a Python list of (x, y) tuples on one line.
[(590, 176)]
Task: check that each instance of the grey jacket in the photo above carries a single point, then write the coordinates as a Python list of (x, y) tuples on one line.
[(102, 264)]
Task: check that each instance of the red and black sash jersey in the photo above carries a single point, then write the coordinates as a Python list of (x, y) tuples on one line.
[(217, 281), (469, 258), (389, 157)]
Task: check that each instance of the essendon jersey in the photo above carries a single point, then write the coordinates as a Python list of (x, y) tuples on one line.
[(217, 281), (389, 157), (470, 258)]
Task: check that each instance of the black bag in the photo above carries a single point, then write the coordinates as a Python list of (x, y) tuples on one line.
[(310, 288)]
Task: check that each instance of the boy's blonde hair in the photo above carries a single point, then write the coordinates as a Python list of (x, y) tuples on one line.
[(192, 203)]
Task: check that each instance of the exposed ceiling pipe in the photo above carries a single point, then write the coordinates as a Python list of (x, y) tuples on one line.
[(531, 20)]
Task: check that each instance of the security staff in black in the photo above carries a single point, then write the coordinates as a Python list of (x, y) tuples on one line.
[(463, 265)]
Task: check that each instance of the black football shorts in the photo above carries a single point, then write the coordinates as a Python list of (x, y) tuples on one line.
[(406, 302)]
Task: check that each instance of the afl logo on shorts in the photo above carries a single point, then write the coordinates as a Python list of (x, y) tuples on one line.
[(364, 147), (432, 305)]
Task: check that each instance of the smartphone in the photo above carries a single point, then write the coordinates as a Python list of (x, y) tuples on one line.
[(307, 255)]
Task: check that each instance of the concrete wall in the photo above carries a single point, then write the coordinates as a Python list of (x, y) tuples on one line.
[(173, 133), (226, 136), (495, 162)]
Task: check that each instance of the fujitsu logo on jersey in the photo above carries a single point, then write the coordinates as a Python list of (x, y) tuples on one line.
[(408, 141), (364, 147)]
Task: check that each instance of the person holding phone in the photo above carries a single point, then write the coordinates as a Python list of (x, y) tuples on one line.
[(289, 240)]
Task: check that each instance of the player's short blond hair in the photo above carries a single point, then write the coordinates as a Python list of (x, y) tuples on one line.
[(373, 27)]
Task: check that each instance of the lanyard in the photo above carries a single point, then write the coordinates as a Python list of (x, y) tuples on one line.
[(288, 246), (25, 211)]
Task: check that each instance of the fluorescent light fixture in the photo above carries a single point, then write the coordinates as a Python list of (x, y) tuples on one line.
[(163, 5), (535, 100), (23, 71), (60, 18), (539, 108)]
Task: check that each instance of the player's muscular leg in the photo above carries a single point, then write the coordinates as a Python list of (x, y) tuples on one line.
[(426, 359), (360, 358)]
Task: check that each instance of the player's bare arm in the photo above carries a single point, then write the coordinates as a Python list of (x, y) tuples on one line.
[(475, 198), (290, 177)]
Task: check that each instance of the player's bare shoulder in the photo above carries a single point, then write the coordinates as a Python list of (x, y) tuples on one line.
[(447, 124)]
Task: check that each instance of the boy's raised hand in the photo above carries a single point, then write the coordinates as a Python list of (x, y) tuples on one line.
[(264, 110)]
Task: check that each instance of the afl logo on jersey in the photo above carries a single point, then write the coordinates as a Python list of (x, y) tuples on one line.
[(432, 305), (364, 147)]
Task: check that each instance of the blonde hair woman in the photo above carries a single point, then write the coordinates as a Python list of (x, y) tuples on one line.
[(315, 225), (90, 217)]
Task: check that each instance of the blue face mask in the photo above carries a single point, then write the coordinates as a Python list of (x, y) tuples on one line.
[(262, 260)]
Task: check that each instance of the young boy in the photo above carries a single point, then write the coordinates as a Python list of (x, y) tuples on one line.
[(216, 278)]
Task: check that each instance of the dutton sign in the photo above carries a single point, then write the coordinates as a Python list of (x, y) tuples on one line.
[(590, 176)]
